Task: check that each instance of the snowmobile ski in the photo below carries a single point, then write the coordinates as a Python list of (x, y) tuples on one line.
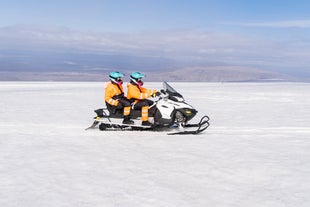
[(202, 125)]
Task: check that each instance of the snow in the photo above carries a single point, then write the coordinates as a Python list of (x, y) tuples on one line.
[(255, 153)]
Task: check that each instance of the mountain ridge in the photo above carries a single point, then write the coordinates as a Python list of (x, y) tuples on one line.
[(187, 74)]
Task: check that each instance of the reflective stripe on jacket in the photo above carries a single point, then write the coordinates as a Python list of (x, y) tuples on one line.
[(112, 90), (138, 92)]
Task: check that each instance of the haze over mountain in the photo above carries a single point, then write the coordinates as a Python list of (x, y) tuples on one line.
[(34, 53), (183, 41)]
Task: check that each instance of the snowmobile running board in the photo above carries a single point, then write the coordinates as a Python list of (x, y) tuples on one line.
[(201, 126)]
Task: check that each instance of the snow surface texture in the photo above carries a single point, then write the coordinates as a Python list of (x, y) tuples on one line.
[(255, 153)]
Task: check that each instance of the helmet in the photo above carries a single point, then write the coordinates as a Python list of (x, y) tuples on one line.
[(116, 76), (136, 78)]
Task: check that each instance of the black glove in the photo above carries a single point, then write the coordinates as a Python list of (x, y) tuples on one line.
[(118, 96), (156, 94)]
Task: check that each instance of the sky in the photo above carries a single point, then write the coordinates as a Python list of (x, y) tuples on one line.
[(153, 15), (274, 33)]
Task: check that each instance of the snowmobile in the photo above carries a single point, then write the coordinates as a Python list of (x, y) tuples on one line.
[(169, 112)]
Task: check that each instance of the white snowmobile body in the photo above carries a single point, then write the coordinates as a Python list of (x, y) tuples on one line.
[(168, 111)]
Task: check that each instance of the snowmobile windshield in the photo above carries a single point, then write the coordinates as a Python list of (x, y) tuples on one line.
[(168, 88), (173, 94)]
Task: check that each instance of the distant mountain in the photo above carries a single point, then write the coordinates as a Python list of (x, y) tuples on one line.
[(221, 74), (65, 60), (68, 65), (200, 74), (29, 52)]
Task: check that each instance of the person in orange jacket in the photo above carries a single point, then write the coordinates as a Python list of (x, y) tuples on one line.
[(115, 98), (139, 95)]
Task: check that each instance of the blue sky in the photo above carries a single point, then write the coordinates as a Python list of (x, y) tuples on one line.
[(264, 34), (150, 15)]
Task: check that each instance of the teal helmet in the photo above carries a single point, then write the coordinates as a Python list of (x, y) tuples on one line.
[(116, 77), (136, 78)]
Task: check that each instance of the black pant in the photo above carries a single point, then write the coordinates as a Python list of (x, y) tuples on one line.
[(122, 102), (141, 103)]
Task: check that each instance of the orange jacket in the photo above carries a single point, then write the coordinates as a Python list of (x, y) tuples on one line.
[(112, 90), (138, 92)]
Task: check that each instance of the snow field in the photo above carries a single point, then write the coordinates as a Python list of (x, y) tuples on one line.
[(255, 153)]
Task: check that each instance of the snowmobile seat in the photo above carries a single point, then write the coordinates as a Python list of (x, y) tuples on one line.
[(118, 113), (114, 111)]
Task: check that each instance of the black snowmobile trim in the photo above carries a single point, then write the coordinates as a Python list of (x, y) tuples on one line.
[(100, 114), (202, 125), (188, 113), (104, 126)]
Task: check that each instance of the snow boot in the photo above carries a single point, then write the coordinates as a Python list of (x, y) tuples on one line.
[(127, 120), (146, 123)]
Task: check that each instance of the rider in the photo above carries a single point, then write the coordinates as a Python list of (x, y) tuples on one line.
[(139, 95), (114, 96)]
